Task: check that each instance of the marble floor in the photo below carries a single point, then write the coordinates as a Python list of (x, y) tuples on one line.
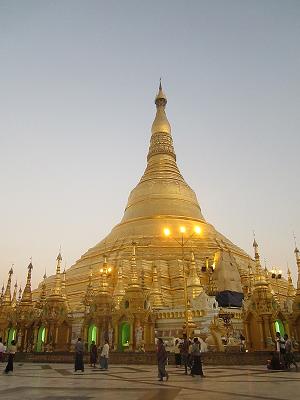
[(139, 382)]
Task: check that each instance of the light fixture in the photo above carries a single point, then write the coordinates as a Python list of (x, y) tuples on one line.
[(182, 229), (167, 232), (197, 230)]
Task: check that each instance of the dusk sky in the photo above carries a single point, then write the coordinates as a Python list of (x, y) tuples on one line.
[(77, 86)]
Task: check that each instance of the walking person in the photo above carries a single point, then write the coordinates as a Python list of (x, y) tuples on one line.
[(79, 351), (196, 358), (2, 350), (177, 354), (280, 347), (104, 356), (162, 358), (289, 353), (12, 349), (93, 354), (184, 351)]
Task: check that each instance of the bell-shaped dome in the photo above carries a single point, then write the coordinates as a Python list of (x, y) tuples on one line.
[(162, 191)]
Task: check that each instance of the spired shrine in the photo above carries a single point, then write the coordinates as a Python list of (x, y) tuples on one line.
[(161, 272)]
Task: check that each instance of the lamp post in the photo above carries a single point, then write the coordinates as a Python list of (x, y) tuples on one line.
[(184, 238)]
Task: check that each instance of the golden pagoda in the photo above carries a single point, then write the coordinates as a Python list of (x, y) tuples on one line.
[(162, 200), (162, 271)]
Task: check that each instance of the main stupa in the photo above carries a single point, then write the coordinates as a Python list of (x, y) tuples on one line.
[(161, 272), (162, 199)]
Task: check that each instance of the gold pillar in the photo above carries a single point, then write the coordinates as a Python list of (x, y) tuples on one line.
[(131, 341), (261, 334), (116, 336), (248, 336), (25, 340), (35, 337)]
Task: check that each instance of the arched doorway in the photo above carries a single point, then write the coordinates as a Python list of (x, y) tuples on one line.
[(40, 339), (124, 336), (279, 327), (11, 335), (92, 334)]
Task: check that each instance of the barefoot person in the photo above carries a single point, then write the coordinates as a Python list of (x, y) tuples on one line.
[(79, 350), (162, 358), (104, 356), (93, 354), (289, 353), (12, 349), (196, 358), (177, 353)]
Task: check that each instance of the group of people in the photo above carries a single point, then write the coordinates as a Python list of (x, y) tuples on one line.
[(284, 355), (79, 353), (187, 353), (11, 351)]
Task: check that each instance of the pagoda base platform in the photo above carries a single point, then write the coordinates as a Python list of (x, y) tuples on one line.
[(149, 358)]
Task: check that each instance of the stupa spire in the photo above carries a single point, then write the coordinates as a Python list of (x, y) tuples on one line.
[(89, 290), (43, 295), (103, 277), (297, 255), (20, 295), (119, 289), (27, 296), (57, 289), (14, 298), (260, 275), (7, 295), (162, 189), (63, 284), (255, 247), (155, 294), (134, 275), (290, 288), (193, 281), (161, 123), (2, 294)]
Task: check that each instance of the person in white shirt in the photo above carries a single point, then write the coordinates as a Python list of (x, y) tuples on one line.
[(104, 356), (176, 350), (12, 349)]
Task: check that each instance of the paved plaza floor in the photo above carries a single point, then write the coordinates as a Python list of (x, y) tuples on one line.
[(139, 382)]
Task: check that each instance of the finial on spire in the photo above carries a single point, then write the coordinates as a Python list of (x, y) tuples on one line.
[(161, 98), (255, 245), (7, 295), (20, 294), (296, 251), (57, 287)]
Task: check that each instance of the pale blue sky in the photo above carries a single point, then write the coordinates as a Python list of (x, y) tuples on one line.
[(77, 87)]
